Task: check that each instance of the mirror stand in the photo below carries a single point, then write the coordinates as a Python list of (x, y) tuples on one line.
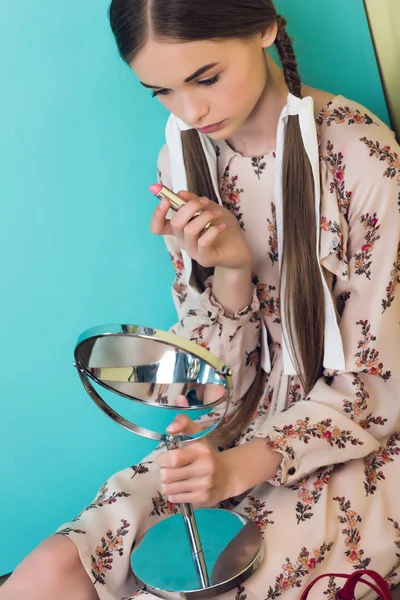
[(199, 553)]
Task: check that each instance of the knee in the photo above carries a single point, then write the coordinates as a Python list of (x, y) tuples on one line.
[(55, 556), (53, 563)]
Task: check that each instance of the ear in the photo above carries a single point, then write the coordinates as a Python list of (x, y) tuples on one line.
[(268, 37)]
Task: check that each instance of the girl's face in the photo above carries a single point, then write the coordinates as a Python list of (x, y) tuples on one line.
[(207, 82)]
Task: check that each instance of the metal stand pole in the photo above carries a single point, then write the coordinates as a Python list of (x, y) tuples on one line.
[(192, 530)]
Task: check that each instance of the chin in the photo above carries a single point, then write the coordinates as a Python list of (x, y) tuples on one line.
[(223, 133)]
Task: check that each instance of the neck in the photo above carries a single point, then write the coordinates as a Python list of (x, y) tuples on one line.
[(257, 135)]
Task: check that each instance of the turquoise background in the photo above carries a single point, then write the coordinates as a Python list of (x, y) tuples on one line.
[(79, 142)]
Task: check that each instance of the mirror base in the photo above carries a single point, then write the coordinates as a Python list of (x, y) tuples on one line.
[(163, 565)]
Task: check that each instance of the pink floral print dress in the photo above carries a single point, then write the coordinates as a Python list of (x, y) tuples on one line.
[(333, 506)]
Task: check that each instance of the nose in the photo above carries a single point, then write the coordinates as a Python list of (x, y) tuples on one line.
[(194, 109)]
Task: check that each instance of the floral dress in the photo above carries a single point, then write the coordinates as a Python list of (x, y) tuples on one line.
[(333, 506)]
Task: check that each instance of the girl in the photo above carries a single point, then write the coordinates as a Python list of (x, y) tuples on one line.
[(290, 275)]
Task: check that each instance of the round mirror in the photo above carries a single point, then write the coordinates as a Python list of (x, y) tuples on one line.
[(157, 370)]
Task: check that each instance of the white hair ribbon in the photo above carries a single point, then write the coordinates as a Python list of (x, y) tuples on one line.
[(304, 108)]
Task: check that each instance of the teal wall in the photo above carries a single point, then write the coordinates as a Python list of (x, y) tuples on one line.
[(79, 141)]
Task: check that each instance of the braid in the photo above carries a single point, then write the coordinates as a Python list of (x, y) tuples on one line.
[(304, 308), (288, 59)]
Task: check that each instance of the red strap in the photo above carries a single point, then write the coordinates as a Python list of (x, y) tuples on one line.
[(347, 593)]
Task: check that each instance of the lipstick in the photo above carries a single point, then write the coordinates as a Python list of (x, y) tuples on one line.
[(161, 191)]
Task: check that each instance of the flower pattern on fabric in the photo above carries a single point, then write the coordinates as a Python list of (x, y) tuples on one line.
[(137, 594), (357, 409), (258, 163), (338, 246), (362, 259), (310, 490), (341, 302), (257, 512), (230, 195), (240, 594), (269, 304), (162, 506), (376, 460), (304, 432), (355, 555), (103, 559), (368, 357), (295, 391), (140, 469), (198, 333), (332, 589), (263, 406), (392, 159), (102, 500), (394, 281), (273, 236), (68, 530), (179, 287), (293, 573), (342, 115), (397, 541), (253, 357), (338, 169)]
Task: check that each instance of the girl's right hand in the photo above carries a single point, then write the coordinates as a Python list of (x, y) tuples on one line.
[(222, 245)]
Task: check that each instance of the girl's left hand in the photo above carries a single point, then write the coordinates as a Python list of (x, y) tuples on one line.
[(195, 473)]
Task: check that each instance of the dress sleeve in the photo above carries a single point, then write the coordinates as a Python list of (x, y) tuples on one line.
[(234, 339), (351, 414)]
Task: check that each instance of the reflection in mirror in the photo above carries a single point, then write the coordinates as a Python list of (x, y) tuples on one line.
[(154, 372)]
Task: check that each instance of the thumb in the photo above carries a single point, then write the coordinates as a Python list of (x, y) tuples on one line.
[(183, 424)]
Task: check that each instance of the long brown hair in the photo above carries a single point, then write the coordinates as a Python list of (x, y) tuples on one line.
[(188, 20)]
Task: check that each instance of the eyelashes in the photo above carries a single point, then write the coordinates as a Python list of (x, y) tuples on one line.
[(211, 81)]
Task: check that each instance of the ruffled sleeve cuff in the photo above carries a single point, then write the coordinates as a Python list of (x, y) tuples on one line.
[(216, 311), (287, 473)]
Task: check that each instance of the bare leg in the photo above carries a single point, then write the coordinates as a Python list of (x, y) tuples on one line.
[(53, 571)]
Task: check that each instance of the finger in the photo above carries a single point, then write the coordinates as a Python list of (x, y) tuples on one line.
[(159, 222), (196, 226), (208, 237), (184, 424), (175, 459), (199, 499), (186, 213), (182, 401), (188, 196), (194, 484), (194, 470)]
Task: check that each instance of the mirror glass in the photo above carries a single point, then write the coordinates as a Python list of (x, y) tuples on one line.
[(156, 374)]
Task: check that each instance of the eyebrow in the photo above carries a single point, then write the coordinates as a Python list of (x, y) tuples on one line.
[(188, 79)]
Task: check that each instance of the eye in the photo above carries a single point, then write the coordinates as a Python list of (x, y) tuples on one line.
[(160, 93), (211, 81)]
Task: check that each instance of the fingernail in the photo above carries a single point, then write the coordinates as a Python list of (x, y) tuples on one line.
[(203, 201), (163, 203)]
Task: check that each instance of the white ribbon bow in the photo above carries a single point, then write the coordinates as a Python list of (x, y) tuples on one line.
[(333, 346)]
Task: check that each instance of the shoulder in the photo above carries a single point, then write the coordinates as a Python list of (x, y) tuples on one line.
[(351, 126), (359, 153)]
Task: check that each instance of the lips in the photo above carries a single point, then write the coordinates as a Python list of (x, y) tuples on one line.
[(211, 128)]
